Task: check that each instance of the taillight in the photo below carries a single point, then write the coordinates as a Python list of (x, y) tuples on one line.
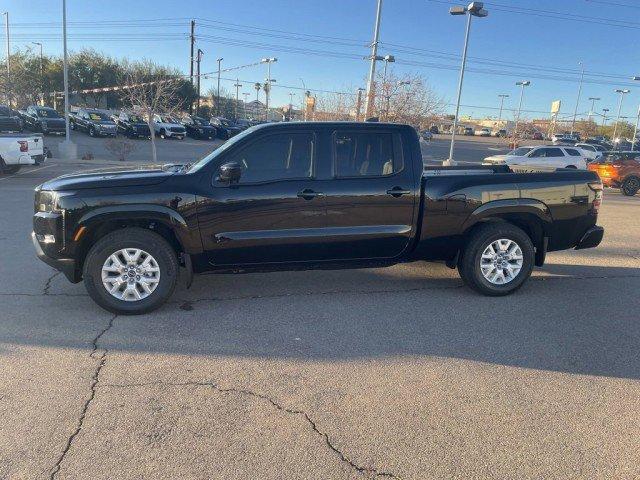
[(24, 145), (597, 201)]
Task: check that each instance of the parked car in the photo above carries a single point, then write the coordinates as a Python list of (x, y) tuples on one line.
[(10, 120), (94, 122), (166, 126), (306, 195), (592, 152), (243, 124), (17, 149), (537, 136), (434, 129), (468, 131), (565, 139), (500, 133), (426, 135), (619, 170), (483, 132), (197, 127), (547, 157), (226, 128), (132, 125), (44, 119)]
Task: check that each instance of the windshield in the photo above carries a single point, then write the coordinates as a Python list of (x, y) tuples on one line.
[(519, 152), (201, 122), (98, 116), (42, 112), (203, 161), (135, 119), (168, 120)]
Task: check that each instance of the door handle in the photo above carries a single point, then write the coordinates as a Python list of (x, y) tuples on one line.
[(309, 194), (398, 192)]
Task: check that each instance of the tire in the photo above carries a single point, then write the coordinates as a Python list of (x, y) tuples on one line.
[(469, 264), (92, 132), (72, 125), (150, 243), (571, 166), (630, 186), (8, 169), (163, 133)]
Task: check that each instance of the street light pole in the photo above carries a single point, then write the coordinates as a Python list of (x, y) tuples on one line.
[(593, 103), (575, 110), (522, 84), (219, 60), (41, 73), (8, 84), (474, 9), (237, 85), (622, 92), (267, 90), (67, 147), (371, 94), (502, 97), (198, 60), (604, 117)]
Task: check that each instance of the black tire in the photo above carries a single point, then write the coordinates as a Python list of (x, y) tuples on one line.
[(72, 125), (8, 169), (630, 186), (92, 132), (142, 239), (163, 134), (571, 166), (479, 240)]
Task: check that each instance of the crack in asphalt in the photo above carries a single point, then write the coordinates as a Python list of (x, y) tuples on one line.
[(364, 470), (94, 385), (47, 285)]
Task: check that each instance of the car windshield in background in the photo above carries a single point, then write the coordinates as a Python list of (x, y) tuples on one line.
[(168, 120), (224, 122), (136, 119), (201, 121), (519, 152), (98, 116), (45, 112)]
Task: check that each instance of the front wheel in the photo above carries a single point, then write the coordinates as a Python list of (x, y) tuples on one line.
[(630, 186), (92, 132), (131, 271), (497, 259)]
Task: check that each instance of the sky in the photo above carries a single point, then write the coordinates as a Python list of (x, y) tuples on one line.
[(321, 45)]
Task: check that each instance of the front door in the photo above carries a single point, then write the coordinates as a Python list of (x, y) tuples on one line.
[(371, 198), (275, 213)]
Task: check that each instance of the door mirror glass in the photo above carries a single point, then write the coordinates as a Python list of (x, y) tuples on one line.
[(229, 173)]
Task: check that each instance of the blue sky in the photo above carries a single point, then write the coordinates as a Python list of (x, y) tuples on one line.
[(511, 44)]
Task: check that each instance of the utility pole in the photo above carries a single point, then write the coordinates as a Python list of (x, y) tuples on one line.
[(371, 93), (257, 86), (192, 39), (198, 60), (575, 111), (219, 60), (8, 84), (622, 92), (237, 85), (604, 116), (267, 85), (593, 103), (359, 103)]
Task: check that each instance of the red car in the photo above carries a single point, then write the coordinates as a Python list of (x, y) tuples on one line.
[(619, 170)]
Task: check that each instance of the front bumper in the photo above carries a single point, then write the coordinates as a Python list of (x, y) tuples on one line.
[(65, 265), (591, 238)]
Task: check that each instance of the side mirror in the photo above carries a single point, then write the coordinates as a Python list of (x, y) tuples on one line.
[(229, 172)]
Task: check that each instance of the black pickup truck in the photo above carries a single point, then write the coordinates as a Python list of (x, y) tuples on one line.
[(302, 196)]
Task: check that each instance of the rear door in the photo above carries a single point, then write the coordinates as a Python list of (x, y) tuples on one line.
[(546, 157), (370, 199)]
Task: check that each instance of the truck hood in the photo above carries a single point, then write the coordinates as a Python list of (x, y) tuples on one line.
[(495, 159), (111, 178)]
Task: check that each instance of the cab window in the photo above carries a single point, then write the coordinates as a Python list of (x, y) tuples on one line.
[(364, 154)]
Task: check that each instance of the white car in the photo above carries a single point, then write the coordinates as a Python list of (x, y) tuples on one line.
[(483, 132), (543, 157), (17, 150), (166, 126), (592, 152)]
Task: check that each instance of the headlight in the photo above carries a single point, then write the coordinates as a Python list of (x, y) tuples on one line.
[(49, 201)]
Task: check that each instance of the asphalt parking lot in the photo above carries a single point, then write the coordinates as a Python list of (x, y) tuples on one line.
[(395, 373)]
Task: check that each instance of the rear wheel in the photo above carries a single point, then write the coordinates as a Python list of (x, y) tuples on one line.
[(497, 259), (630, 186), (163, 134), (131, 271), (92, 132)]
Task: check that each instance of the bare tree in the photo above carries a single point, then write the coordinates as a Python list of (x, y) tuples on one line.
[(121, 147), (149, 91)]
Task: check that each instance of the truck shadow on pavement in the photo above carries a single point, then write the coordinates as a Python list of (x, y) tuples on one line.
[(568, 318)]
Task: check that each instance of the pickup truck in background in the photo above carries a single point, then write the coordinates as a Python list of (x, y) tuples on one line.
[(43, 119), (302, 196), (10, 120), (19, 149)]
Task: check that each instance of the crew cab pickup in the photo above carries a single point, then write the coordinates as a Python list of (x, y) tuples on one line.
[(95, 122), (19, 149), (301, 196)]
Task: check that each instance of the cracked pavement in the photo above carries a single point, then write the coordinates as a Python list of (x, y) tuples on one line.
[(397, 373)]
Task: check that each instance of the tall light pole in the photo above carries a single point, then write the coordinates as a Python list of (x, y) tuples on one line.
[(41, 73), (474, 9), (387, 59), (604, 116), (359, 103), (198, 60), (257, 86), (502, 97), (371, 93), (389, 95), (622, 92), (67, 146), (219, 60), (593, 103), (237, 85), (244, 105), (291, 95), (8, 84), (268, 61), (575, 110), (522, 84)]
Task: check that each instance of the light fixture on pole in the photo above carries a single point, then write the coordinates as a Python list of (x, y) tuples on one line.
[(267, 90), (622, 92), (522, 84), (593, 103), (502, 97), (371, 93), (387, 59), (575, 111), (474, 9)]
